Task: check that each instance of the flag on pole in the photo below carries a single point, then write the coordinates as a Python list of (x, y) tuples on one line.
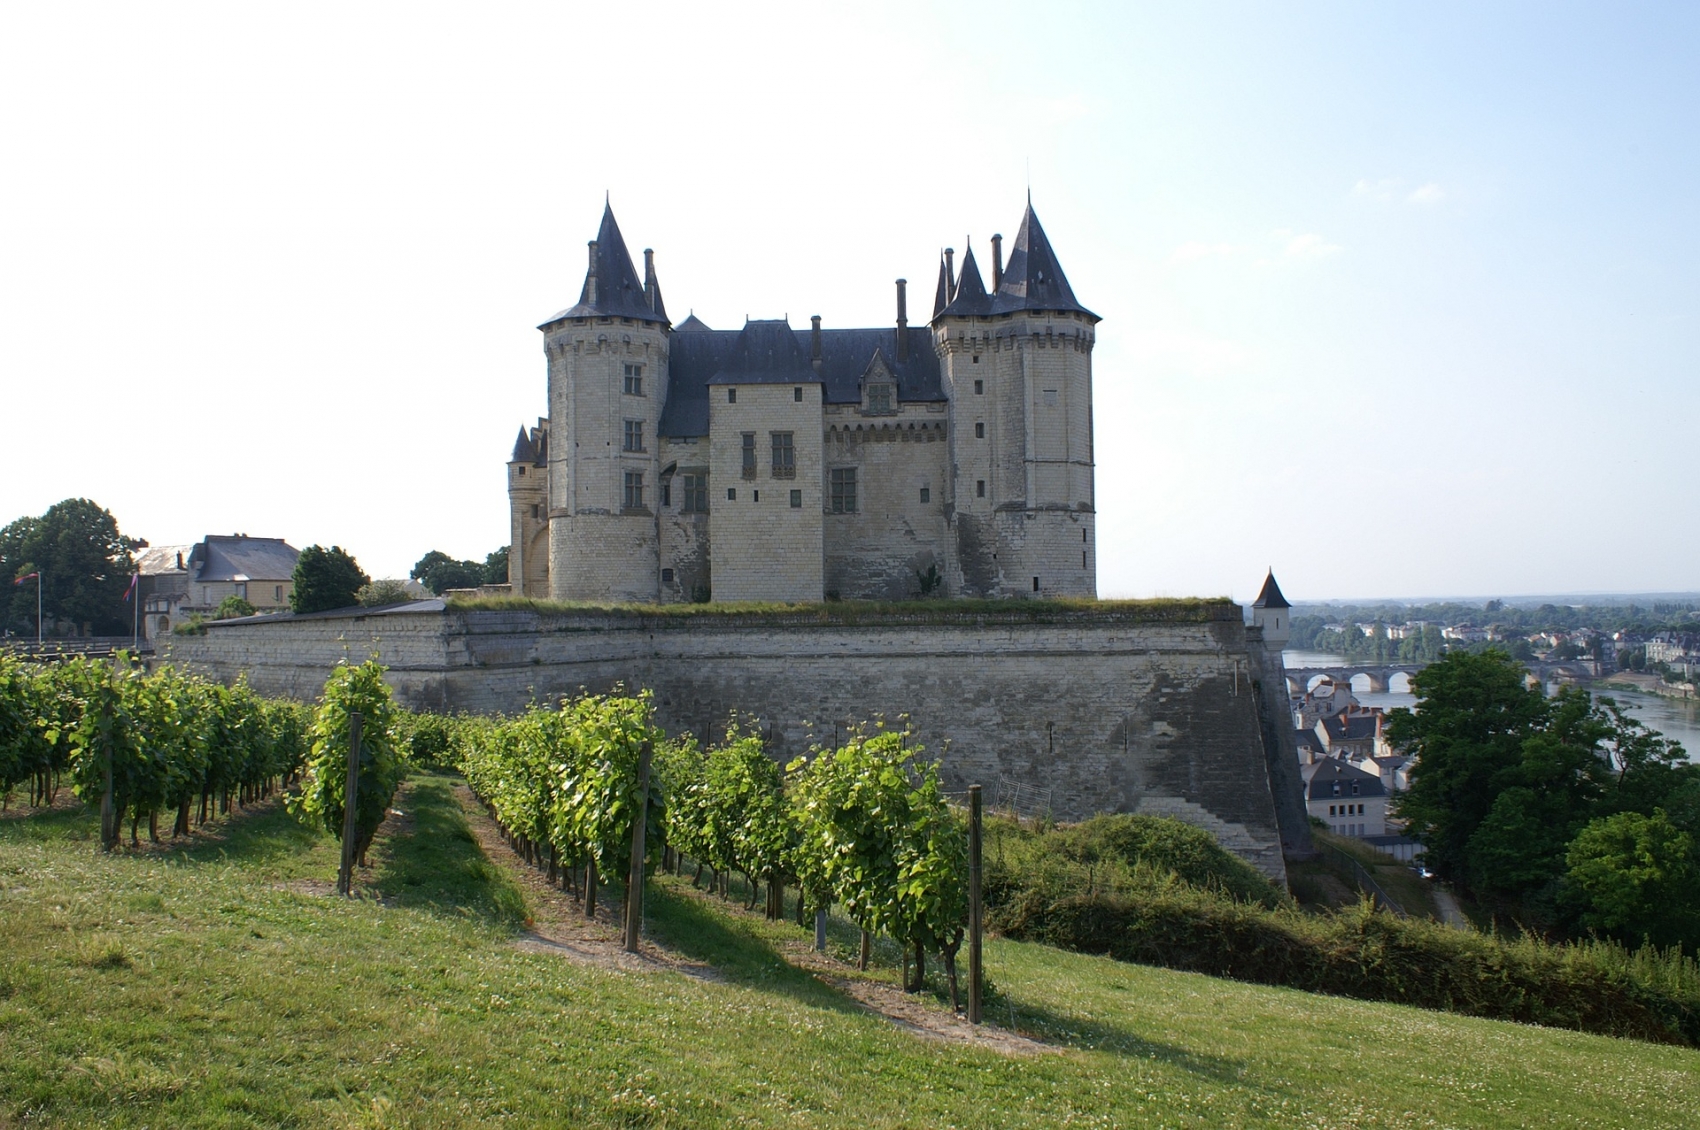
[(26, 577), (131, 591)]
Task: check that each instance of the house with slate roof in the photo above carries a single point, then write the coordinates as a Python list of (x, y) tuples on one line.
[(181, 581), (785, 463), (1350, 801)]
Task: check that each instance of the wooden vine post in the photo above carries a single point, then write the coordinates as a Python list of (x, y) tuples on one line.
[(634, 880), (974, 904), (345, 873)]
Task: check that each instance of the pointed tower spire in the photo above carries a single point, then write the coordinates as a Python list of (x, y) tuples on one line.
[(1271, 596), (971, 297), (1033, 279), (524, 452), (611, 287), (941, 296)]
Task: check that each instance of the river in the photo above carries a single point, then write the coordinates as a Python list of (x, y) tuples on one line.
[(1675, 718)]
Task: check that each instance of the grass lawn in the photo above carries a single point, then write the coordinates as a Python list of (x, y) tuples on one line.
[(216, 985)]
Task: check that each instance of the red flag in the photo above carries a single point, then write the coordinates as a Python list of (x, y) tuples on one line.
[(131, 591), (27, 576)]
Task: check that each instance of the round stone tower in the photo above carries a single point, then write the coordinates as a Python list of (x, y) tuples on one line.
[(607, 385), (1017, 366)]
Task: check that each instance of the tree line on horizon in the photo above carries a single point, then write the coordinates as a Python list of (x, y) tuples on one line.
[(83, 565)]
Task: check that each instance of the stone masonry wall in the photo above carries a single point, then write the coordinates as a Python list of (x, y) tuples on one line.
[(1082, 712)]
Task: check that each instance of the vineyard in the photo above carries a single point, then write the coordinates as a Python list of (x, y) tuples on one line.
[(864, 826)]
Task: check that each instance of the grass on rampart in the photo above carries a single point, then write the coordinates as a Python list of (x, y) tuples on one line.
[(1188, 610), (217, 985)]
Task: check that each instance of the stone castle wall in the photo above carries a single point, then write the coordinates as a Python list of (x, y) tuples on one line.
[(1074, 712)]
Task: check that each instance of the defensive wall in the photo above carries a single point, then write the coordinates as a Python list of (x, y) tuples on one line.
[(1153, 708)]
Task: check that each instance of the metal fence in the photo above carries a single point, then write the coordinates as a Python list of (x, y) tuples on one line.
[(1366, 883)]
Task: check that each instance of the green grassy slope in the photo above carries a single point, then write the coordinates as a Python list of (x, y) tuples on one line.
[(215, 986)]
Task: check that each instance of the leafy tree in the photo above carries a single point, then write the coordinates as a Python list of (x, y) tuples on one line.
[(326, 579), (439, 572), (1474, 714), (1638, 878), (232, 607), (496, 567), (84, 562), (381, 592), (323, 793)]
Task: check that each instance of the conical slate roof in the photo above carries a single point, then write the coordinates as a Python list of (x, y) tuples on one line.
[(611, 287), (524, 451), (971, 297), (691, 322), (1033, 280), (1271, 596)]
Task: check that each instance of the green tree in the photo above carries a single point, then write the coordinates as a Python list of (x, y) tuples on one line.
[(1473, 715), (496, 567), (326, 579), (85, 565), (232, 607), (439, 572), (382, 592), (1638, 879)]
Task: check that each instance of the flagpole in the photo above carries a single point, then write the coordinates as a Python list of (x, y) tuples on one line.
[(38, 608), (136, 613)]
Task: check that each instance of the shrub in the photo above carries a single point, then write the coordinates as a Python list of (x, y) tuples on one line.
[(322, 795)]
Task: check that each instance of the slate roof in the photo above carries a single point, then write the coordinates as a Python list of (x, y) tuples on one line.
[(224, 557), (758, 354), (1307, 739), (524, 450), (158, 560), (618, 292), (691, 322), (1271, 596), (1350, 727), (1321, 778), (1033, 280)]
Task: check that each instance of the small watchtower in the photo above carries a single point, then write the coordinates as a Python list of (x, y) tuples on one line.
[(1271, 612)]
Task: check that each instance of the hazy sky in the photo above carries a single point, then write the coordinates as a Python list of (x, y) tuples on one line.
[(1401, 300)]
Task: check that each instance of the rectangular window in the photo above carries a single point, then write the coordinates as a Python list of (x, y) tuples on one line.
[(277, 595), (879, 399), (797, 395), (926, 494), (667, 493), (696, 494), (634, 435), (979, 386), (979, 431), (979, 488), (844, 490), (749, 455), (1035, 584), (536, 511), (796, 500), (634, 490), (731, 494), (666, 576), (755, 496), (784, 455), (731, 396), (634, 380)]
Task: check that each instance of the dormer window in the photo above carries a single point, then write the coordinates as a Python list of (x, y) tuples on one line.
[(879, 400)]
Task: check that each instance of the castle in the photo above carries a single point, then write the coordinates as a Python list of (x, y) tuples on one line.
[(773, 463)]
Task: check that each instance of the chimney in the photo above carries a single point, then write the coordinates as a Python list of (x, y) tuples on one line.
[(950, 273), (590, 279), (814, 342), (997, 263), (903, 319), (649, 278)]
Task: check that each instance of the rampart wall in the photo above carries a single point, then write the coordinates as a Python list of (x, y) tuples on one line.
[(1072, 711)]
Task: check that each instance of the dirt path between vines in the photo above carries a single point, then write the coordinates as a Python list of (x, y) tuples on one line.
[(559, 927)]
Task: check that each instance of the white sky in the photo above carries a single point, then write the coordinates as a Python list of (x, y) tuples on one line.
[(1397, 300)]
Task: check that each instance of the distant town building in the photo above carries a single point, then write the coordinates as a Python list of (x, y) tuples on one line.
[(1350, 801), (179, 582)]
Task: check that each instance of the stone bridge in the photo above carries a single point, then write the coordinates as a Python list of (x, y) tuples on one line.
[(1379, 675)]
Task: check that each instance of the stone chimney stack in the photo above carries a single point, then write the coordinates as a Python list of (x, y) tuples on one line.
[(950, 273), (814, 342), (590, 279), (649, 277), (997, 263), (903, 319)]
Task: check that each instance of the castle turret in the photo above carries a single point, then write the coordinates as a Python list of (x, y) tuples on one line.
[(1271, 612), (607, 385), (1017, 364), (528, 509)]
